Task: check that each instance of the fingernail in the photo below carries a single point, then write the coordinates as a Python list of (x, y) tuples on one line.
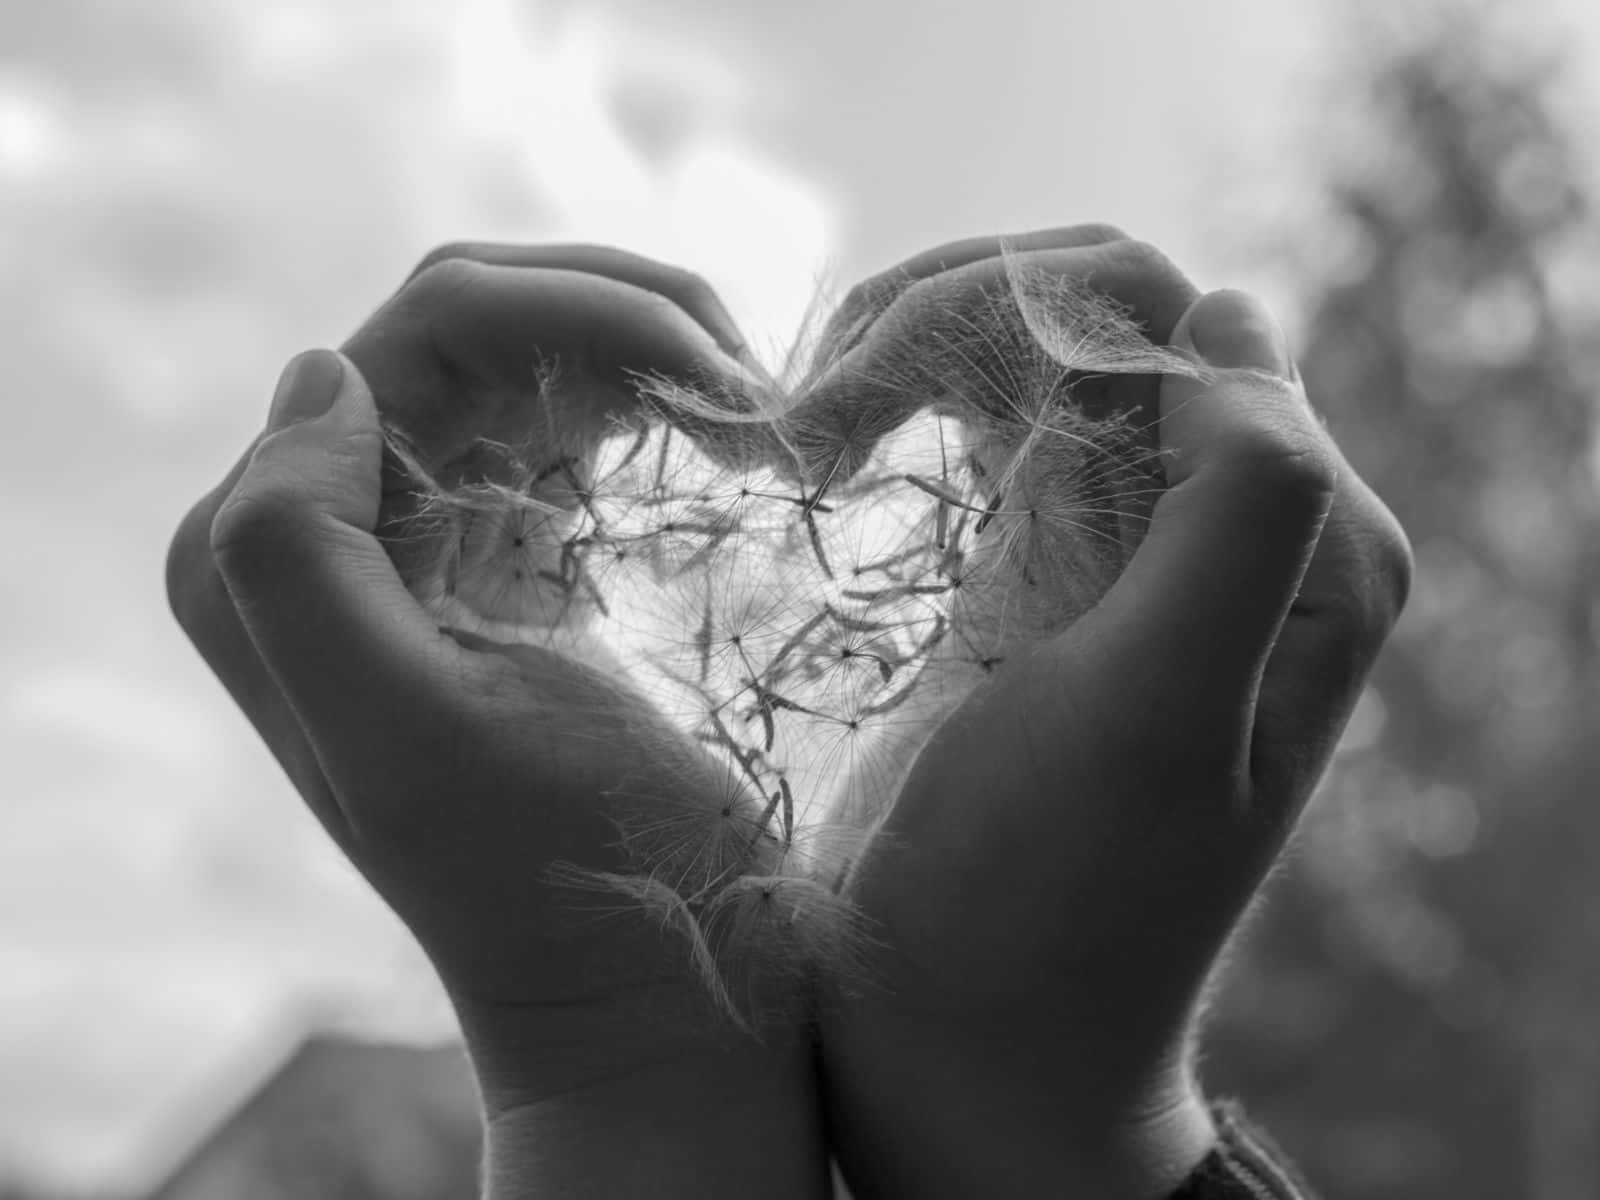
[(306, 389), (1234, 329)]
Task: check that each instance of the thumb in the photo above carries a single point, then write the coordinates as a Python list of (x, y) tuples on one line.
[(321, 426), (1250, 478), (351, 649)]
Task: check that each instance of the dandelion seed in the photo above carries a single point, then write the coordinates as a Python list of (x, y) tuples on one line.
[(933, 489), (801, 577), (989, 512)]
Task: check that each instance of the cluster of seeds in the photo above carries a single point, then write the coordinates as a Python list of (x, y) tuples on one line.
[(805, 580)]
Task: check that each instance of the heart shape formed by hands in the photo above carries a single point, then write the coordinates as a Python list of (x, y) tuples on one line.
[(806, 575)]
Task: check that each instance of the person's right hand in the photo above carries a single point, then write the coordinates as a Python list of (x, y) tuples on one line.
[(453, 771)]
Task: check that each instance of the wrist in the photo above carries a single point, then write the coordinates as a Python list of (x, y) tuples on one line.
[(527, 1053), (736, 1119), (1149, 1155), (934, 1107)]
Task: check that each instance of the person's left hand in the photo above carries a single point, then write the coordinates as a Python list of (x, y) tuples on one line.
[(1077, 842)]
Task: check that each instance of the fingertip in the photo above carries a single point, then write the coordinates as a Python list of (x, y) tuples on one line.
[(1251, 477), (321, 451), (308, 385), (1249, 408), (316, 386), (354, 402), (1230, 328)]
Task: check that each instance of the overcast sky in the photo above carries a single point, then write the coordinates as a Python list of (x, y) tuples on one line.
[(193, 190)]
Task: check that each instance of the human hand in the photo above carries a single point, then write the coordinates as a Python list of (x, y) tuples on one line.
[(1076, 844), (452, 771)]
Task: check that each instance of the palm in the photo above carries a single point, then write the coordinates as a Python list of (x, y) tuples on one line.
[(1075, 845), (542, 763), (454, 774)]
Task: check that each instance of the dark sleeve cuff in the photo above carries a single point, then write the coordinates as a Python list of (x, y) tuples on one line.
[(1245, 1164)]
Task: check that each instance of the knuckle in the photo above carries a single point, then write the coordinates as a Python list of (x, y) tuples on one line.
[(689, 288), (447, 252), (1143, 257), (434, 297), (1397, 566), (655, 312), (1099, 231), (873, 295), (1369, 568), (1294, 464), (1147, 282), (249, 525), (593, 256), (443, 280), (954, 291), (1387, 567), (849, 309), (190, 568)]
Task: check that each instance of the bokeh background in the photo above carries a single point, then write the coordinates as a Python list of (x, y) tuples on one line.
[(198, 998)]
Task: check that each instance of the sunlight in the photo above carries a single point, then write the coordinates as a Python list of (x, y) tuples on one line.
[(712, 203)]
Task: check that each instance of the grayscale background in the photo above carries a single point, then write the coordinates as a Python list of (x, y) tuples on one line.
[(197, 996)]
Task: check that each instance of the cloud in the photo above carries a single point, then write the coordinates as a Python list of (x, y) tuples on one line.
[(103, 708), (202, 189)]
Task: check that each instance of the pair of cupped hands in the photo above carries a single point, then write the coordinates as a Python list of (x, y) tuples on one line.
[(1066, 861)]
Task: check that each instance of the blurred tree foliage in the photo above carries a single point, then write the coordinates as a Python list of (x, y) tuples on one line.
[(1415, 1014)]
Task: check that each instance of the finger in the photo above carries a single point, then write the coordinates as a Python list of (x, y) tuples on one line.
[(1349, 601), (200, 601), (1135, 275), (684, 288), (867, 300), (1189, 625), (538, 359), (462, 352), (867, 389), (349, 649)]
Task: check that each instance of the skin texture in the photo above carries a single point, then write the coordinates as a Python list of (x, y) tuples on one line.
[(1075, 846), (1070, 854), (451, 772)]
